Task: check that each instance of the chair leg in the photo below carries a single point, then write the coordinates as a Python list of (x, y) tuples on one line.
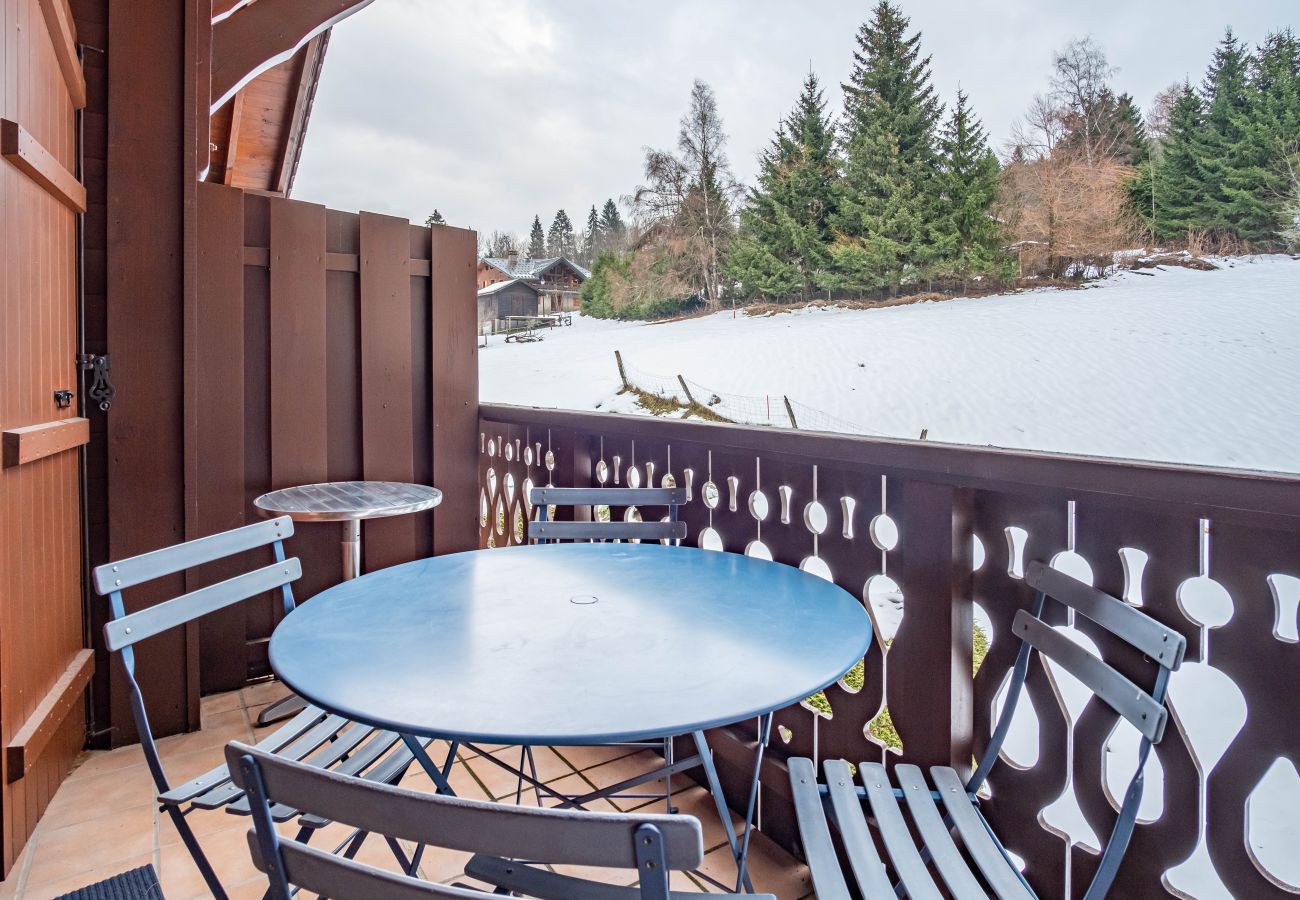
[(196, 852)]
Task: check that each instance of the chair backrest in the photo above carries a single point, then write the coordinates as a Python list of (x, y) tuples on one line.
[(651, 844), (124, 630), (617, 529), (1143, 708)]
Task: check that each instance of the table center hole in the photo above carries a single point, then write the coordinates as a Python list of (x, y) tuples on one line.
[(584, 599)]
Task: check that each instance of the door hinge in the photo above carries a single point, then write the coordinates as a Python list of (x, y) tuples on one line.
[(101, 390)]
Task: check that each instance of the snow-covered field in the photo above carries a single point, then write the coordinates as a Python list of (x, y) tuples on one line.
[(1180, 365)]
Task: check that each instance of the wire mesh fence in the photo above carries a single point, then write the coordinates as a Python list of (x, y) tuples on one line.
[(693, 398)]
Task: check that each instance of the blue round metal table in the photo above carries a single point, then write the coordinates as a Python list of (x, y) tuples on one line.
[(570, 644)]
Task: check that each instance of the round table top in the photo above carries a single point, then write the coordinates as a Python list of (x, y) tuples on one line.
[(342, 501), (569, 643)]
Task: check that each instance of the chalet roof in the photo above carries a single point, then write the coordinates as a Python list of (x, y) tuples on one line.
[(532, 269), (502, 285)]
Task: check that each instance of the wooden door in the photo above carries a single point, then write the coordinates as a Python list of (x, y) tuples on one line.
[(43, 666)]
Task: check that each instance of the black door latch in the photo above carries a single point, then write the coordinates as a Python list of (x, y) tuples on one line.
[(101, 390)]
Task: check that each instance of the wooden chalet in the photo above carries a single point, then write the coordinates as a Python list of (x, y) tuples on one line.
[(557, 280)]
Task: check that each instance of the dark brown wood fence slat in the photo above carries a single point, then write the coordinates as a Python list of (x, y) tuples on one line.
[(299, 403), (387, 425), (218, 492)]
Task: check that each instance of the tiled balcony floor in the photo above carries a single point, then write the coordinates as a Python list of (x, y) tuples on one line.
[(103, 821)]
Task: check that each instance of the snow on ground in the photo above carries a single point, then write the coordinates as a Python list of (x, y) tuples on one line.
[(1181, 365)]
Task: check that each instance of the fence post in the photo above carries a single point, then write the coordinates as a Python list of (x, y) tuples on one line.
[(931, 689), (689, 398), (789, 411), (622, 373)]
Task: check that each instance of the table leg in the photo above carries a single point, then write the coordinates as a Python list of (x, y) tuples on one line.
[(438, 776), (739, 843), (351, 549), (351, 544)]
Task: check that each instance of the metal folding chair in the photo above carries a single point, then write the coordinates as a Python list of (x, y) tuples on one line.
[(546, 531), (945, 805), (317, 738), (671, 529), (499, 836)]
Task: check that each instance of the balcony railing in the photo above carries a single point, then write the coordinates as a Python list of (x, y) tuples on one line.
[(934, 538)]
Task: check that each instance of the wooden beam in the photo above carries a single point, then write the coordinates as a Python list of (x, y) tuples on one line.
[(304, 89), (38, 164), (256, 37), (24, 445), (232, 138), (35, 734), (58, 21)]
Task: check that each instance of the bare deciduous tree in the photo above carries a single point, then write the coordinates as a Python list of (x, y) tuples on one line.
[(1162, 107), (686, 208), (1081, 89), (1065, 214)]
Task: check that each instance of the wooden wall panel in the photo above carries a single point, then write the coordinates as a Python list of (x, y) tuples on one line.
[(334, 327), (299, 454), (40, 557), (387, 428), (454, 378), (219, 502)]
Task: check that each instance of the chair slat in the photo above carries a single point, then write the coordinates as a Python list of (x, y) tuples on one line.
[(326, 874), (137, 626), (576, 531), (868, 868), (1163, 644), (997, 869), (909, 865), (935, 834), (272, 743), (551, 835), (529, 881), (125, 573), (1125, 697), (608, 496), (818, 850), (326, 743)]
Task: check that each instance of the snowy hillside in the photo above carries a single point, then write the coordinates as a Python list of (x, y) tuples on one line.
[(1181, 365)]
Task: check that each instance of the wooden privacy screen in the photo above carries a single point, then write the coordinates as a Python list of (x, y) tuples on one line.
[(43, 664), (330, 346)]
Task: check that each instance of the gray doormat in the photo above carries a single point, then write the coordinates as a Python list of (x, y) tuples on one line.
[(137, 884)]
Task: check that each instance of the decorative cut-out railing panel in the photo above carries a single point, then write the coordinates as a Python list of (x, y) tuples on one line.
[(935, 539)]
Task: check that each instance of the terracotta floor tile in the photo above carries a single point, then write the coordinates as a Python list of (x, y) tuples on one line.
[(227, 850), (85, 797), (61, 886), (215, 703), (262, 693), (501, 783), (97, 762), (771, 869), (574, 785), (63, 852), (464, 781), (585, 757), (218, 730)]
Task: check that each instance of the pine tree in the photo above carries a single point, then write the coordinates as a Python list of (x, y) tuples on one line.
[(1177, 179), (970, 178), (1127, 132), (591, 239), (784, 243), (560, 239), (890, 207), (537, 240), (435, 219), (1254, 181), (1225, 95), (611, 223)]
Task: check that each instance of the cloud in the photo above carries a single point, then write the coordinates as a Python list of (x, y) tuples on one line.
[(496, 110)]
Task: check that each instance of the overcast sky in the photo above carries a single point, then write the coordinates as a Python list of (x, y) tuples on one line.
[(493, 110)]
